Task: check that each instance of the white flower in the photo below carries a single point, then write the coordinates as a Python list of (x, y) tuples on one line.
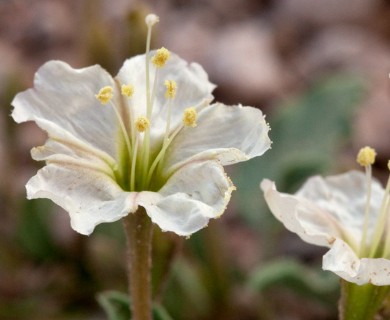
[(331, 212), (116, 143)]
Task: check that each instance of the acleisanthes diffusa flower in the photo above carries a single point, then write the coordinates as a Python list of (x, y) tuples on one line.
[(349, 213), (148, 137)]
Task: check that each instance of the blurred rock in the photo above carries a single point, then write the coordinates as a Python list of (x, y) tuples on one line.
[(10, 63), (344, 49), (60, 230), (10, 69), (244, 63), (202, 40), (243, 246), (11, 72), (38, 25), (237, 10), (28, 136), (372, 125), (325, 12)]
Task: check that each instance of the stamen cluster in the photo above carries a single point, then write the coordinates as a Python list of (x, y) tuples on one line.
[(137, 139)]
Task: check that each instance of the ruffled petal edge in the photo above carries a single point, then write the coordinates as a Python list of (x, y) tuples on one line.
[(343, 261), (195, 194)]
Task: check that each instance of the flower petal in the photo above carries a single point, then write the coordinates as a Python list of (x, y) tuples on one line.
[(342, 260), (63, 102), (74, 150), (344, 198), (308, 221), (228, 133), (331, 207), (196, 193), (89, 195)]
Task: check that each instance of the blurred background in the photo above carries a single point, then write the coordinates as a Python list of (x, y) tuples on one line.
[(318, 69)]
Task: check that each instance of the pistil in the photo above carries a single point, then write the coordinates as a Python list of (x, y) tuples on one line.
[(366, 157), (150, 21)]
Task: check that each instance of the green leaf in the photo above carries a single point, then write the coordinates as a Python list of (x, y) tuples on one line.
[(159, 313), (116, 306), (319, 285), (188, 289), (33, 230)]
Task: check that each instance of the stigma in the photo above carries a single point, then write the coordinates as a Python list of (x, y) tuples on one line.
[(105, 94), (366, 156), (151, 19)]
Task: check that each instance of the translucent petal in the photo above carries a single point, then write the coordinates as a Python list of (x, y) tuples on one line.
[(88, 194), (302, 217), (332, 207), (196, 193), (343, 197), (73, 148), (342, 260), (63, 103), (228, 133)]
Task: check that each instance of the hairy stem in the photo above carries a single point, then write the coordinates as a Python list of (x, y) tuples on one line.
[(139, 232)]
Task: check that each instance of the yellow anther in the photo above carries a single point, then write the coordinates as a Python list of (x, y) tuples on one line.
[(171, 89), (127, 90), (189, 117), (105, 94), (142, 124), (160, 57), (151, 19), (366, 156), (388, 164)]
